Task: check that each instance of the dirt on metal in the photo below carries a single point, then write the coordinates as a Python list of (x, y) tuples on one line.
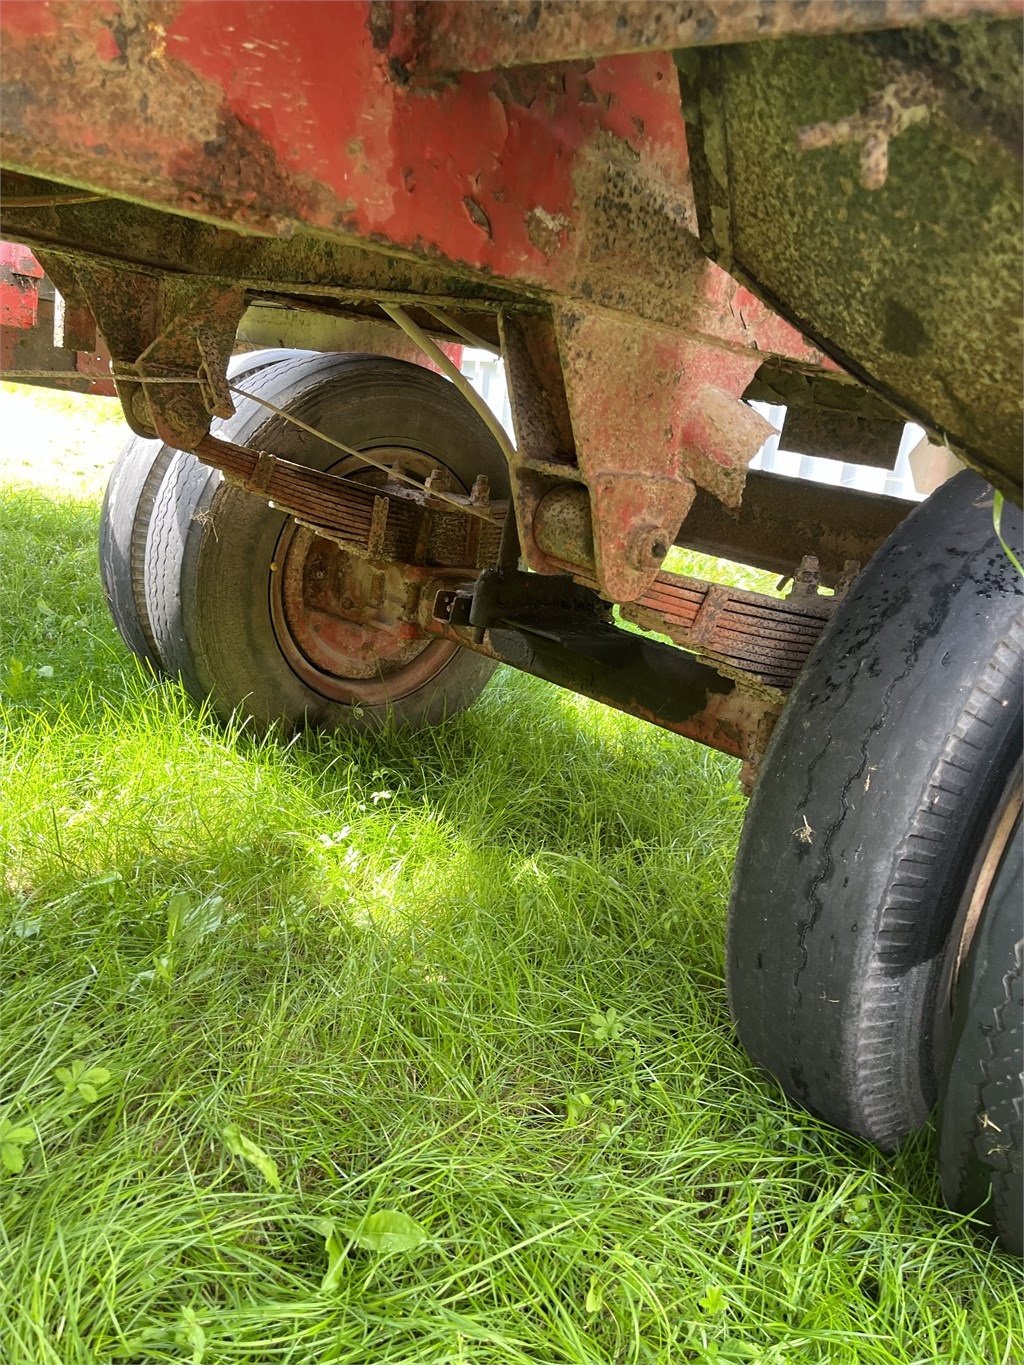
[(443, 37)]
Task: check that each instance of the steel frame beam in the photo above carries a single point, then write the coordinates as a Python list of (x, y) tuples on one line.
[(451, 36)]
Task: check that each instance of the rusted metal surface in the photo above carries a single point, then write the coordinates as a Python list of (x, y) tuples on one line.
[(36, 339), (558, 180), (640, 416), (393, 522), (29, 356), (369, 570), (562, 526), (351, 612), (748, 632), (830, 415), (559, 190), (159, 329), (836, 391), (455, 36), (651, 414), (577, 647), (273, 325), (567, 182), (18, 260), (293, 270), (20, 274), (74, 327), (842, 436), (745, 635), (346, 573), (783, 519), (545, 447), (870, 187), (347, 626)]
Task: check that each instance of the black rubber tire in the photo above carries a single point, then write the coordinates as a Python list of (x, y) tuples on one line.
[(124, 522), (980, 1108), (875, 796), (211, 544)]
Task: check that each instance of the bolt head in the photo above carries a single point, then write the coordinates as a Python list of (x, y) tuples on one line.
[(649, 547)]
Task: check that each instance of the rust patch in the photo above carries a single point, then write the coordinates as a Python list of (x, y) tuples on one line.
[(653, 412), (170, 122), (238, 170), (546, 230)]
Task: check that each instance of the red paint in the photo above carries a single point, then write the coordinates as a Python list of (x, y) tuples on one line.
[(20, 261), (402, 162), (19, 290), (458, 173), (29, 19), (19, 302)]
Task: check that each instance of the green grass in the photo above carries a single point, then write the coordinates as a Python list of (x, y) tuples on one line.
[(472, 976)]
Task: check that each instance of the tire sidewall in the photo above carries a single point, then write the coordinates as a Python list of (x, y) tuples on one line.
[(228, 647), (836, 955)]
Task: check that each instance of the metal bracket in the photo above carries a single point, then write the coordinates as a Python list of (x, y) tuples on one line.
[(170, 337)]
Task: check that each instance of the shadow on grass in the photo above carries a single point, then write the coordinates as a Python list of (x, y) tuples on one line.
[(60, 655), (122, 793)]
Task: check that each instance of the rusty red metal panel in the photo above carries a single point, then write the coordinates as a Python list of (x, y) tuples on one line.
[(568, 179), (29, 326), (30, 350), (654, 414), (20, 274), (19, 301), (19, 261)]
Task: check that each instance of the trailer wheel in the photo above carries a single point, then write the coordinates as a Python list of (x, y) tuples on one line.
[(235, 590), (124, 524), (877, 790), (980, 1125)]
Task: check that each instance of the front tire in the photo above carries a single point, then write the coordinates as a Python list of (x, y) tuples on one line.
[(876, 792)]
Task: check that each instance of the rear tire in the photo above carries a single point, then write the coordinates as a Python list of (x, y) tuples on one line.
[(124, 525), (124, 522), (213, 550)]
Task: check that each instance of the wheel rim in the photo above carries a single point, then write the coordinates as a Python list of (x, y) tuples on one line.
[(343, 624), (986, 865)]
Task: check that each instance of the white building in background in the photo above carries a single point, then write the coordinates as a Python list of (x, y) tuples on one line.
[(486, 373)]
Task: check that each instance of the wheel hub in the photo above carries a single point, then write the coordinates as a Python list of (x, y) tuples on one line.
[(345, 624)]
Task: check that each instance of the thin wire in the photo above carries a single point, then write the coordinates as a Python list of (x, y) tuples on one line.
[(460, 329), (453, 372), (83, 374), (361, 455), (46, 201)]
